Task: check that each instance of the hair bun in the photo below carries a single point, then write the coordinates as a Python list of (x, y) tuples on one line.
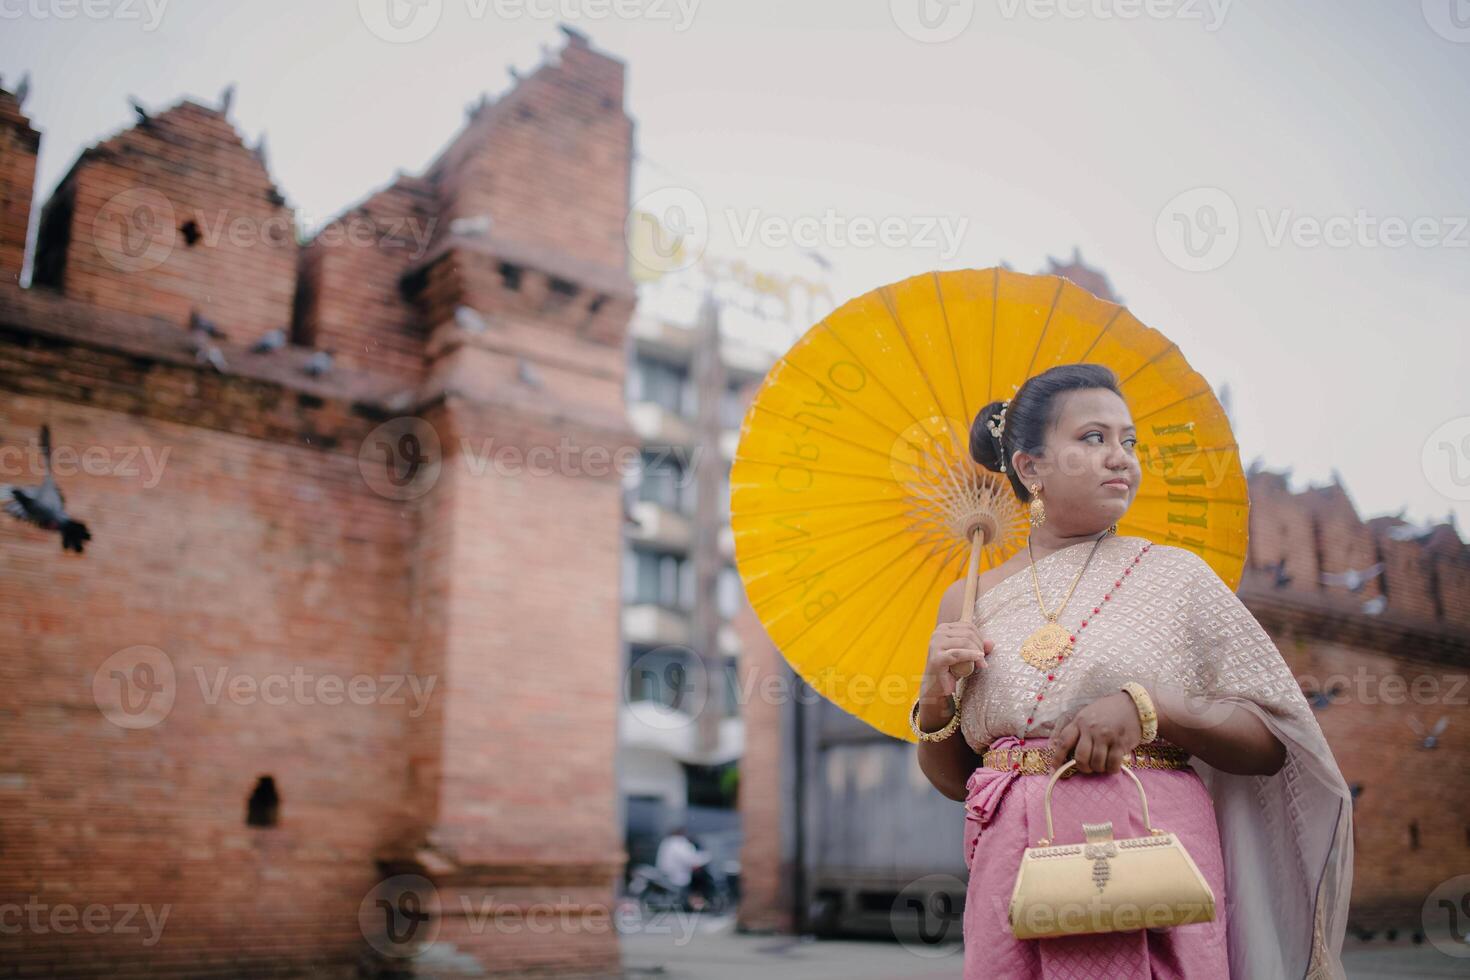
[(985, 448)]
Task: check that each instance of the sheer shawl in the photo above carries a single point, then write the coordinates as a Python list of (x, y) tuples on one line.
[(1287, 838)]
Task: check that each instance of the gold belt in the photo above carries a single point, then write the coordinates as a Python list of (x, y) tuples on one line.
[(1037, 762)]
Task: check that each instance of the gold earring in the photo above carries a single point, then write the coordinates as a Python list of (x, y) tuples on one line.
[(1038, 509)]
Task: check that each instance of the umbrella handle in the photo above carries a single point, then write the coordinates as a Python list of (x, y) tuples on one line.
[(972, 584)]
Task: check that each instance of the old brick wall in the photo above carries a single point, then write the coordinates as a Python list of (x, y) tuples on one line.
[(252, 558), (19, 146)]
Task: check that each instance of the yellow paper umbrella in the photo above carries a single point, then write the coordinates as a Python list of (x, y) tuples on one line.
[(855, 503)]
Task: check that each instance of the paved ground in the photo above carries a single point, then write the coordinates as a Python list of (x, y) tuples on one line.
[(690, 948)]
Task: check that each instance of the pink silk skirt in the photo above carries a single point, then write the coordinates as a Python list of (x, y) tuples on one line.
[(1004, 814)]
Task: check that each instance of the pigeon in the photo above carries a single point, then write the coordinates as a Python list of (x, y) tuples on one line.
[(1430, 739), (23, 89), (1277, 569), (527, 373), (198, 322), (226, 99), (1320, 699), (471, 226), (272, 341), (1410, 532), (44, 505), (144, 118), (319, 363), (207, 353), (469, 319), (1375, 605), (1353, 579)]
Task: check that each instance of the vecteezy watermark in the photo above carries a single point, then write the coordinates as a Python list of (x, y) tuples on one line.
[(1210, 13), (667, 230), (932, 21), (150, 12), (1363, 230), (1450, 19), (301, 687), (1446, 458), (138, 686), (406, 21), (134, 229), (135, 687), (1199, 229), (927, 915), (36, 917), (943, 233), (1362, 687), (19, 463), (400, 916), (1445, 917), (401, 459)]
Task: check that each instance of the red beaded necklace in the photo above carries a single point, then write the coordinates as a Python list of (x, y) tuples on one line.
[(1072, 639)]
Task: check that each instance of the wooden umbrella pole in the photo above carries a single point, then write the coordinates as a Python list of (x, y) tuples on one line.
[(972, 585)]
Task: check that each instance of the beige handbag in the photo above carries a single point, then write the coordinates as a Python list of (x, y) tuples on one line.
[(1107, 885)]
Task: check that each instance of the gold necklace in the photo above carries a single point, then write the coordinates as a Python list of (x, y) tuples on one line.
[(1051, 641)]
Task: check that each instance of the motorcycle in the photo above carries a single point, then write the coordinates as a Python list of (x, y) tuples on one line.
[(655, 893)]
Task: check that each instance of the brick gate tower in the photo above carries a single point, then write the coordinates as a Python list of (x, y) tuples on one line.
[(340, 662)]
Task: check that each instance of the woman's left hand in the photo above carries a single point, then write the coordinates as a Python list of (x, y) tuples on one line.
[(1101, 734)]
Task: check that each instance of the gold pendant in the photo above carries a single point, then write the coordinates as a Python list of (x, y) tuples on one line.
[(1042, 647)]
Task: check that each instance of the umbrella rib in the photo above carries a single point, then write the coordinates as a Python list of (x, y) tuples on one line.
[(923, 595), (1051, 312), (903, 335), (1168, 349), (868, 502), (847, 529), (1117, 312), (825, 434), (860, 586), (851, 403), (994, 307), (852, 554), (1178, 401), (954, 355)]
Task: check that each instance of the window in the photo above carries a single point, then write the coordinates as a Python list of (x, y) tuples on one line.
[(732, 413), (667, 675), (732, 686), (661, 383), (264, 805), (662, 579), (728, 592), (664, 480)]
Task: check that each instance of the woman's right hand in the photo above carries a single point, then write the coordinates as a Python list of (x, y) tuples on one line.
[(953, 643)]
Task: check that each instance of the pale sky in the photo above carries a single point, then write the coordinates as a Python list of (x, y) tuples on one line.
[(1032, 128)]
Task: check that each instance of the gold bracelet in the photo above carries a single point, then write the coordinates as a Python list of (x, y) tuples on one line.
[(1147, 716), (948, 729)]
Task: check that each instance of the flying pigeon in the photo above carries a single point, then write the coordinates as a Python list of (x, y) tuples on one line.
[(469, 319), (1375, 605), (1431, 737), (44, 506), (319, 363), (1410, 532), (271, 341), (471, 226), (1353, 579)]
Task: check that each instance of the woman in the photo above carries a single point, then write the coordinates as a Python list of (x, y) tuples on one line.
[(1238, 768)]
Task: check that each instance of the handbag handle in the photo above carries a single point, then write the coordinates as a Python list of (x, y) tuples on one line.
[(1069, 764)]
